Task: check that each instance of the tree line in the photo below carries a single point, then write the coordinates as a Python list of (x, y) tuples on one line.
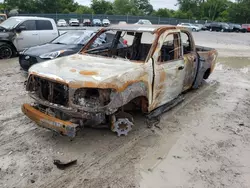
[(213, 10)]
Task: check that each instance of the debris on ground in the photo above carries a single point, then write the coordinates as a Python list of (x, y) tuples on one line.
[(62, 166)]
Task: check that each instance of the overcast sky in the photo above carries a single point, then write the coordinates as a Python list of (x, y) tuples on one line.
[(156, 3)]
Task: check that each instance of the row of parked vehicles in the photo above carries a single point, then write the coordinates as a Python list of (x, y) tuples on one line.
[(86, 22), (217, 26), (227, 27), (95, 79)]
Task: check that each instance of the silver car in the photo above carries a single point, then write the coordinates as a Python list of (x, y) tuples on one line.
[(190, 26)]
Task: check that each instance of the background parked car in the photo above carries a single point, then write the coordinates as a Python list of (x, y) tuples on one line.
[(19, 33), (144, 22), (74, 22), (199, 25), (105, 22), (66, 44), (122, 23), (219, 26), (206, 27), (62, 23), (190, 26), (86, 22), (237, 28), (97, 22), (246, 26), (3, 17)]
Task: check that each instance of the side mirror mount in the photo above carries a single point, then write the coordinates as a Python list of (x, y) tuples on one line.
[(20, 28)]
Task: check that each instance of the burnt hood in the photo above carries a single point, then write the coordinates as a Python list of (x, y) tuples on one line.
[(50, 47), (81, 70)]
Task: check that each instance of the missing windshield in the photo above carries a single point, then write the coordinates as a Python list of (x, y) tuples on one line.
[(128, 45)]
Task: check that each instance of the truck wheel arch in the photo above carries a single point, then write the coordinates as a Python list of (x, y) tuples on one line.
[(9, 43)]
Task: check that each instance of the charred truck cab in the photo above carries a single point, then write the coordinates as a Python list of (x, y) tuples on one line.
[(100, 85)]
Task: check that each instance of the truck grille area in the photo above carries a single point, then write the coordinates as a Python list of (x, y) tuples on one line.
[(53, 92)]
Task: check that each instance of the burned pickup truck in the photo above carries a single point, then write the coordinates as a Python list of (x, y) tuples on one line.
[(100, 86)]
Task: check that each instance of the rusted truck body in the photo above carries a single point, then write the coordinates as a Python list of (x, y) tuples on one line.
[(101, 84)]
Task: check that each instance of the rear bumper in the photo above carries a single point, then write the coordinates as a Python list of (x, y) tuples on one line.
[(63, 127)]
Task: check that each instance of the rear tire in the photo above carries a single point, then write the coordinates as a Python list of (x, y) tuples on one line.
[(6, 51)]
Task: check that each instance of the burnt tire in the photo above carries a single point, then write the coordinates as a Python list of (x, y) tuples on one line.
[(6, 51)]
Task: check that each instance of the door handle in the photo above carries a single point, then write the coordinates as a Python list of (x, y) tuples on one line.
[(180, 67), (34, 34)]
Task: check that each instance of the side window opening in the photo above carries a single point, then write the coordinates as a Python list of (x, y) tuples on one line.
[(128, 45), (30, 25), (186, 43), (171, 48), (44, 25)]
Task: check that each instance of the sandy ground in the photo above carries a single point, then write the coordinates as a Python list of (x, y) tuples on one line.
[(203, 142)]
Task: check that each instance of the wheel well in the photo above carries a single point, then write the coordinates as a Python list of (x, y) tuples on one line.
[(8, 42), (207, 73), (138, 103)]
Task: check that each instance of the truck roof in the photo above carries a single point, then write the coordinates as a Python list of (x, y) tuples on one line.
[(143, 28), (31, 18)]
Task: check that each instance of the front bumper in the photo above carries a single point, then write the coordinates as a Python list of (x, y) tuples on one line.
[(26, 61), (63, 127)]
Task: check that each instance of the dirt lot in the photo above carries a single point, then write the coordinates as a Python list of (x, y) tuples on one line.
[(203, 142)]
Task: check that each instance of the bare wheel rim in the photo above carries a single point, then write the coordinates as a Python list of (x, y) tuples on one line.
[(5, 52)]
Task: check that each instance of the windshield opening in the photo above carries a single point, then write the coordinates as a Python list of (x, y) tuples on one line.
[(128, 45), (80, 38), (10, 23)]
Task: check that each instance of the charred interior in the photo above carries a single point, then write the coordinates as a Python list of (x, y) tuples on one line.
[(91, 97), (115, 46), (49, 91)]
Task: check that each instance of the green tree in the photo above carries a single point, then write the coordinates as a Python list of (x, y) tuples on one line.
[(101, 6), (122, 7), (163, 12), (84, 10), (143, 5)]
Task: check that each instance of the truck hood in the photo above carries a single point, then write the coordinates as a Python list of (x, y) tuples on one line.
[(6, 35), (89, 71)]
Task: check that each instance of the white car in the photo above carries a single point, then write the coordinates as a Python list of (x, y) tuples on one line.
[(74, 22), (143, 22), (61, 23), (190, 26), (21, 32), (122, 23), (105, 22)]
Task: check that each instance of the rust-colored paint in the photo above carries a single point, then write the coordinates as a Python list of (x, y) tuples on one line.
[(88, 73), (41, 119), (162, 76), (73, 70), (50, 79), (77, 85)]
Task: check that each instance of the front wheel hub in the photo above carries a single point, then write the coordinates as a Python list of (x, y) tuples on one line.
[(122, 123)]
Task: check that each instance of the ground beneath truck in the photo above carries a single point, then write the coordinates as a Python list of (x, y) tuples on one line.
[(202, 142)]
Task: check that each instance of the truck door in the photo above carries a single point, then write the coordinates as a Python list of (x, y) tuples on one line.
[(168, 69), (28, 37), (46, 31), (190, 59)]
